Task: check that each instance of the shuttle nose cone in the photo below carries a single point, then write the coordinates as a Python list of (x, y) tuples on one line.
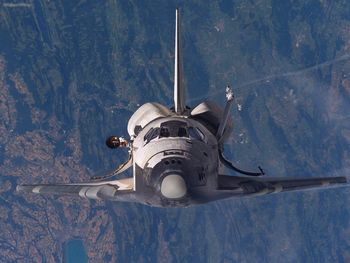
[(173, 186)]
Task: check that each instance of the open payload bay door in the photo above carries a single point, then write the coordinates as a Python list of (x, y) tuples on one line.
[(147, 113)]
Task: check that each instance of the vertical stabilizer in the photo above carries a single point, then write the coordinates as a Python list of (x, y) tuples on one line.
[(179, 87)]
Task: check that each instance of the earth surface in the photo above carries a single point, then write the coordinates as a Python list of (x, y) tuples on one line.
[(73, 72)]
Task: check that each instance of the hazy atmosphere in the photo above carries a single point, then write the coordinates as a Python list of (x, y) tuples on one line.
[(73, 72)]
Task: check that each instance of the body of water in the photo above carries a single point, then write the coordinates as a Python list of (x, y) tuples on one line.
[(74, 252)]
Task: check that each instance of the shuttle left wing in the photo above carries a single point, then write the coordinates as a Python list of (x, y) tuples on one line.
[(117, 190)]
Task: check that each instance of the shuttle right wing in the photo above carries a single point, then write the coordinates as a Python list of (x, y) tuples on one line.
[(244, 185)]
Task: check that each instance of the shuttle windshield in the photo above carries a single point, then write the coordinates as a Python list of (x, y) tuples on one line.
[(174, 129)]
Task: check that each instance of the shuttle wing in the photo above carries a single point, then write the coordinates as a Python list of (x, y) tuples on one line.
[(243, 185), (117, 190)]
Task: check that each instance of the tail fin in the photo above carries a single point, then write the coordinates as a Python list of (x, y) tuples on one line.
[(179, 87)]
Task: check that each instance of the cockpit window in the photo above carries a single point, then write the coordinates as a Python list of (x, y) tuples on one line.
[(195, 133), (182, 132), (174, 129), (201, 134), (148, 134), (151, 134), (164, 132)]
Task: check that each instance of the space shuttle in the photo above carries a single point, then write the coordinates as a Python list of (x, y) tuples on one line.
[(176, 157)]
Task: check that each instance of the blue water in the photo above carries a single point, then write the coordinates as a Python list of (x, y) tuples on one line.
[(74, 251)]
